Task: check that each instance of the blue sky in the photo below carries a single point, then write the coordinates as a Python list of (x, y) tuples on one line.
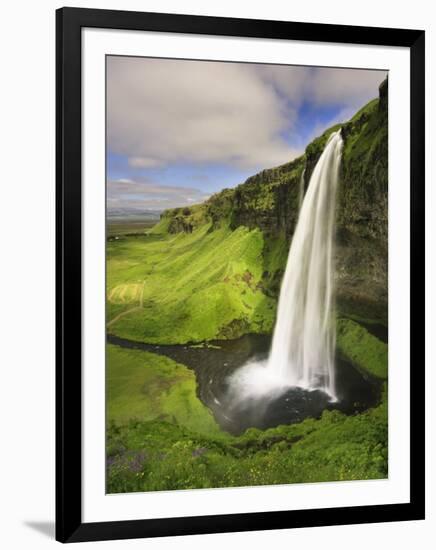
[(179, 131)]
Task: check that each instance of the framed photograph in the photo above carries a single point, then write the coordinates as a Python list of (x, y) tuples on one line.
[(240, 274)]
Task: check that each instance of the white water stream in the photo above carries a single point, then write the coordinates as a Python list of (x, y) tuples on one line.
[(303, 346)]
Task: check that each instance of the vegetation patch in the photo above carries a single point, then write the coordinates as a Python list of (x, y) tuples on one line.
[(194, 286), (159, 456), (362, 348), (144, 386), (161, 437)]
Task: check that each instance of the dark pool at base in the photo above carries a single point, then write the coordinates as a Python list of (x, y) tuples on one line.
[(213, 365)]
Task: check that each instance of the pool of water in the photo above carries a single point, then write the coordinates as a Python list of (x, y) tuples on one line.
[(214, 366)]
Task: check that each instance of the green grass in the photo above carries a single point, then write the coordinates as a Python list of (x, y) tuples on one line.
[(145, 386), (153, 456), (194, 286), (127, 227)]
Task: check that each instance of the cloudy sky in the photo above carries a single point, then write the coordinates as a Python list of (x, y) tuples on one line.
[(178, 131)]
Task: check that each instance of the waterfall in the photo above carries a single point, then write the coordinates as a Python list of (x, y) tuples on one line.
[(303, 346)]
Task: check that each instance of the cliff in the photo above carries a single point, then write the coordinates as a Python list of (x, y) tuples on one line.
[(269, 201)]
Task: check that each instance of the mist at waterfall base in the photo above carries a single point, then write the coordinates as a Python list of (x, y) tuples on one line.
[(216, 365), (301, 362)]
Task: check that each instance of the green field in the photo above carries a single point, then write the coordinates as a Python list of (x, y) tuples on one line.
[(128, 227)]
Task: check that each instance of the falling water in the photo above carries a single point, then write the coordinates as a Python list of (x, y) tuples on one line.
[(303, 345), (302, 352)]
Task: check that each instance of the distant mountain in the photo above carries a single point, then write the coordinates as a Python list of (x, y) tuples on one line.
[(133, 213)]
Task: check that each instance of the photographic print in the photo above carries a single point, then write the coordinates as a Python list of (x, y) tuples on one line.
[(246, 274)]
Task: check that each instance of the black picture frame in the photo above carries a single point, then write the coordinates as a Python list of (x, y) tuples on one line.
[(69, 525)]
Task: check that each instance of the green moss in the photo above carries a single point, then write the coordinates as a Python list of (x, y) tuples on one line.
[(363, 349), (364, 173), (275, 255)]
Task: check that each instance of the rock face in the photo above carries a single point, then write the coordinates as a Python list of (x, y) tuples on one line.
[(270, 200), (362, 215)]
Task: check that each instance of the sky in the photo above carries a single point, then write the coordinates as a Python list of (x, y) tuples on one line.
[(180, 130)]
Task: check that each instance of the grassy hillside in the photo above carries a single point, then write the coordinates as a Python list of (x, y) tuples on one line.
[(172, 442), (188, 287), (182, 288)]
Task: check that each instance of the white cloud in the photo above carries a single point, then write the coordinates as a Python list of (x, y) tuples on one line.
[(143, 162), (167, 111), (146, 195), (291, 81), (162, 111), (350, 87)]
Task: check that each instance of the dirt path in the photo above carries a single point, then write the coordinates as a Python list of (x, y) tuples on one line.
[(122, 314)]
